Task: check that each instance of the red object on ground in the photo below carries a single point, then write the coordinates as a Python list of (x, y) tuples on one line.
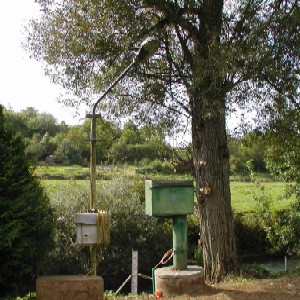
[(158, 294)]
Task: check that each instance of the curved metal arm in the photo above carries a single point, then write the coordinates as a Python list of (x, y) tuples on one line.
[(112, 86), (147, 49)]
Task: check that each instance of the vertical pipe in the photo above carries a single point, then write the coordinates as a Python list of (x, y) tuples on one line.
[(180, 242), (93, 163), (153, 281), (93, 248)]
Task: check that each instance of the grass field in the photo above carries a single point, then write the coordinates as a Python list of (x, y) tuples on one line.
[(242, 192), (60, 170), (242, 195)]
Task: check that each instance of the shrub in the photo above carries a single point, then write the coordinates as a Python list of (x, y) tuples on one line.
[(161, 167), (157, 166), (68, 258), (26, 217), (130, 229), (282, 227), (250, 235), (283, 230), (194, 250)]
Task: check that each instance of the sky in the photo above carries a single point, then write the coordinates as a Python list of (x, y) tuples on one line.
[(22, 80)]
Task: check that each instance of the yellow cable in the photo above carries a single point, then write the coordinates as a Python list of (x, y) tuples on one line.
[(103, 228)]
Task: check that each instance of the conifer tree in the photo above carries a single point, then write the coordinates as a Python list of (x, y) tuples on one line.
[(26, 218)]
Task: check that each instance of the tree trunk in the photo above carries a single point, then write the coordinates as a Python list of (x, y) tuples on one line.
[(211, 165), (210, 149)]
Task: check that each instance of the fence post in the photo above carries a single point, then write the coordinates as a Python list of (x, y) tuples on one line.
[(134, 272)]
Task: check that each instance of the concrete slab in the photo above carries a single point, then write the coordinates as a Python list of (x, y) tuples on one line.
[(70, 287), (180, 282)]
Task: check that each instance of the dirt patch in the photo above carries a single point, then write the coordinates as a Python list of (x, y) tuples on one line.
[(284, 288), (287, 288)]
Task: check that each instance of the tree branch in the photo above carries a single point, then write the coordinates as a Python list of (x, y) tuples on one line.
[(175, 15)]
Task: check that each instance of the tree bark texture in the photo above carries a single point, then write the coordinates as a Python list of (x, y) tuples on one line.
[(210, 151), (211, 165)]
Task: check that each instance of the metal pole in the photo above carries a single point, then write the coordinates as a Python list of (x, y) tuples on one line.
[(93, 139), (93, 248), (93, 163), (180, 242), (148, 48)]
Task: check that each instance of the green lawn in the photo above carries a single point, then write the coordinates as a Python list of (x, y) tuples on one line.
[(41, 171), (242, 193)]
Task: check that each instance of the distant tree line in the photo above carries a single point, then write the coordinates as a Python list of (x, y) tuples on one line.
[(252, 146), (48, 141)]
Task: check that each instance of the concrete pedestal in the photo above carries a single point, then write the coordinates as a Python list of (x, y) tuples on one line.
[(180, 282), (69, 288)]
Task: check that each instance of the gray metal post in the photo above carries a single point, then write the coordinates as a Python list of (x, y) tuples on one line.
[(134, 272), (148, 48)]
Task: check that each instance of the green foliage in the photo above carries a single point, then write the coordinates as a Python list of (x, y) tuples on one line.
[(34, 148), (68, 153), (130, 228), (283, 155), (250, 235), (250, 147), (282, 227), (157, 166), (67, 257), (194, 249), (30, 121), (136, 144), (69, 144), (29, 296), (26, 217)]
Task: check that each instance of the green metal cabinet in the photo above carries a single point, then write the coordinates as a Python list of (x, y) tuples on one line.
[(169, 197)]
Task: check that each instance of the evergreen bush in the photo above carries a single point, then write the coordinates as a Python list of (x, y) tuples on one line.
[(26, 218)]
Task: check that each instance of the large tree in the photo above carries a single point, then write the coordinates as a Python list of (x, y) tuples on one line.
[(215, 56)]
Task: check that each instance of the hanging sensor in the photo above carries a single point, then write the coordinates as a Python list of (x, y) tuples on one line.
[(89, 116), (147, 49)]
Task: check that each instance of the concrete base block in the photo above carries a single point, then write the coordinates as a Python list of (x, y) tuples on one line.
[(180, 282), (69, 288)]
